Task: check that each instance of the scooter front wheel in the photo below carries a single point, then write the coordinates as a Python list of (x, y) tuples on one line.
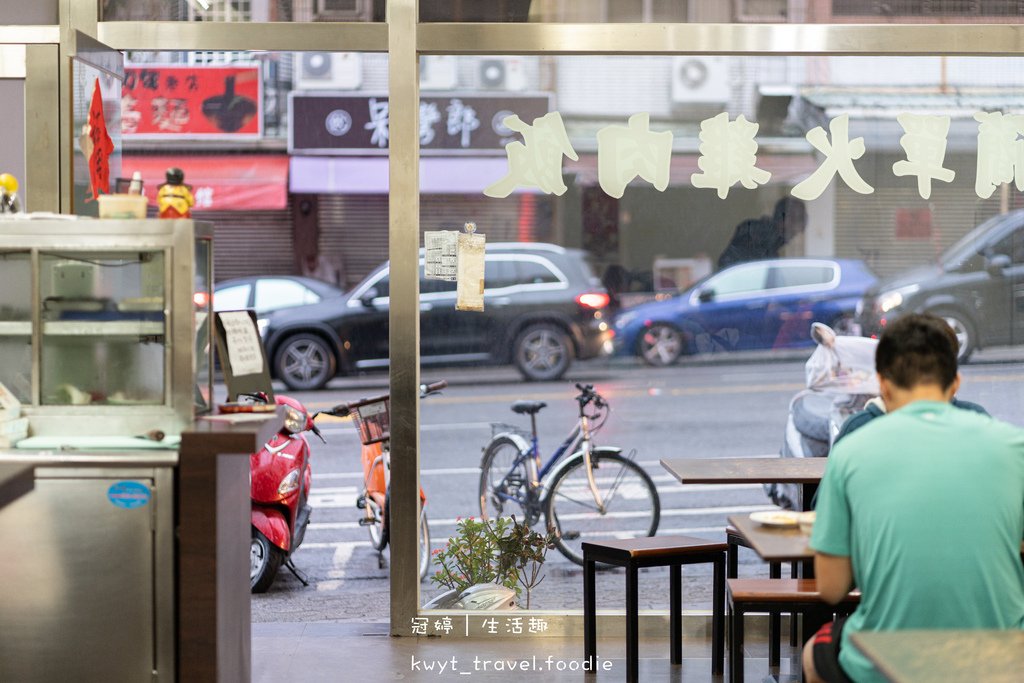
[(264, 560)]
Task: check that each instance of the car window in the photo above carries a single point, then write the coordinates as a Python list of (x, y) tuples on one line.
[(382, 286), (435, 286), (274, 294), (532, 273), (231, 298), (1012, 245), (746, 278), (498, 274), (800, 276)]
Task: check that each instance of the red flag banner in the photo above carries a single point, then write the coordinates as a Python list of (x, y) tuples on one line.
[(191, 101), (99, 143)]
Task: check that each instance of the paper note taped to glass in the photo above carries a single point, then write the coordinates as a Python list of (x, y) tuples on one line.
[(457, 257)]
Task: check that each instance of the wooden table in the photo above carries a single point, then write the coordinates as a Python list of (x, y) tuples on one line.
[(16, 479), (804, 471), (774, 544), (927, 656)]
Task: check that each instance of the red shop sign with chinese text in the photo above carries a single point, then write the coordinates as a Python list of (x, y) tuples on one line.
[(192, 101)]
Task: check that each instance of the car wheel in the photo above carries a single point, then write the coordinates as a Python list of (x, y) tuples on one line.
[(660, 345), (542, 352), (962, 328), (304, 362)]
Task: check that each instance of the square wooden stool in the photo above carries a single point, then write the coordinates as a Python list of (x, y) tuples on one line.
[(654, 551)]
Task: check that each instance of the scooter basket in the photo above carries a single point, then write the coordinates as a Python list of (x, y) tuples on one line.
[(373, 420)]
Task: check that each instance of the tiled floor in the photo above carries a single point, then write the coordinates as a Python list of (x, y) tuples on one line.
[(364, 653)]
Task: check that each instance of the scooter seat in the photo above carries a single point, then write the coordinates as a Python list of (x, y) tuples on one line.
[(811, 416), (527, 407)]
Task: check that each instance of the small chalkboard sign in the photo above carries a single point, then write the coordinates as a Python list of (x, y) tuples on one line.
[(242, 357)]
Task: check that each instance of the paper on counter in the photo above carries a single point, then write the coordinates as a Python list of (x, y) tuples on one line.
[(470, 283)]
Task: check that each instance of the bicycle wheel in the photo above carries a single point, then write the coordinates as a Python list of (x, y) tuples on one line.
[(424, 545), (503, 481), (379, 527), (631, 503)]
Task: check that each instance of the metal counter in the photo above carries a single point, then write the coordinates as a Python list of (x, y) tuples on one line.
[(88, 572)]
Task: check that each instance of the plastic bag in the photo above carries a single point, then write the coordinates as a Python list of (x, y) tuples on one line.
[(841, 364)]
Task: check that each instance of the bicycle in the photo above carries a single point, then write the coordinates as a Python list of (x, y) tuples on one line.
[(372, 418), (596, 493)]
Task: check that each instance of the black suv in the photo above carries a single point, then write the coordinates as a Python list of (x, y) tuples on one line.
[(542, 308), (977, 286)]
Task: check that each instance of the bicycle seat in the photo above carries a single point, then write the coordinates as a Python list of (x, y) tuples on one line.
[(527, 407)]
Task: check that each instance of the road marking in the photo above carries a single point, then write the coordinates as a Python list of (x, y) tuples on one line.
[(451, 522), (612, 394), (336, 575), (654, 464)]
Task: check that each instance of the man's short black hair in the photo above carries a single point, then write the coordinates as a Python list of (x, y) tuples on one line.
[(918, 349)]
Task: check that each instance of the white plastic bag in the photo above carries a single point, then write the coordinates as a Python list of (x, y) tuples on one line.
[(840, 364)]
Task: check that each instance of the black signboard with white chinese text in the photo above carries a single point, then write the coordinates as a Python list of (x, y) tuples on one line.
[(449, 123)]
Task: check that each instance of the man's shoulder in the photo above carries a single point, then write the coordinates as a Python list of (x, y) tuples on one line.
[(968, 405)]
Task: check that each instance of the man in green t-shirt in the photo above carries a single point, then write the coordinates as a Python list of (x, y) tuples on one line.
[(923, 509)]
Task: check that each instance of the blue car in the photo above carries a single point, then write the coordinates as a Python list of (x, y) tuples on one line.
[(757, 305)]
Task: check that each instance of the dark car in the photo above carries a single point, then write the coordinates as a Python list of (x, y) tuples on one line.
[(766, 304), (542, 308), (977, 285)]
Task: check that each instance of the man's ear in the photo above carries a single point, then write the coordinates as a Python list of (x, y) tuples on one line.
[(885, 390), (954, 387)]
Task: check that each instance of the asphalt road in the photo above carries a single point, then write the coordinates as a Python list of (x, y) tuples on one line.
[(700, 410)]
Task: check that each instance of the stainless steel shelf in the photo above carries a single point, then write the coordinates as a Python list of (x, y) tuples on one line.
[(15, 328), (105, 328)]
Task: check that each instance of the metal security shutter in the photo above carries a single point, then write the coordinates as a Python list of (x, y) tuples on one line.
[(354, 232), (251, 242), (866, 224), (354, 228), (496, 218)]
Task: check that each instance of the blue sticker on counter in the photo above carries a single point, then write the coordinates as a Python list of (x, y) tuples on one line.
[(128, 494)]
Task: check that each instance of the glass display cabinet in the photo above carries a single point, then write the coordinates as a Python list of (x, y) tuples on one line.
[(105, 324)]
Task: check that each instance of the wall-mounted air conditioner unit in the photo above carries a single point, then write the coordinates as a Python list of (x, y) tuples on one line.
[(329, 71), (502, 73), (438, 72), (700, 80), (344, 10)]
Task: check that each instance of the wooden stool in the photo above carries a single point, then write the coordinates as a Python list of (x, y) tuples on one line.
[(774, 596), (654, 551), (735, 539)]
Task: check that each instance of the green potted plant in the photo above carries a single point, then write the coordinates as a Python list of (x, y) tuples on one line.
[(501, 552)]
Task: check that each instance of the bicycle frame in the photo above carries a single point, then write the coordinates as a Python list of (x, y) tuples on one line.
[(578, 438)]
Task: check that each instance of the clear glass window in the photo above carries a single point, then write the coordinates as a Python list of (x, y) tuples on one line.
[(739, 280), (232, 298), (801, 276), (273, 294)]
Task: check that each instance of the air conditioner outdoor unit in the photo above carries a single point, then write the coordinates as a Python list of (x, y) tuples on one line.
[(438, 72), (344, 10), (502, 73), (700, 80), (329, 71)]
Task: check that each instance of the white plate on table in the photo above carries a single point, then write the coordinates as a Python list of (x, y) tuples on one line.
[(776, 518)]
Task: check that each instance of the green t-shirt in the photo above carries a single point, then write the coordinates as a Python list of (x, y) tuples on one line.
[(928, 502)]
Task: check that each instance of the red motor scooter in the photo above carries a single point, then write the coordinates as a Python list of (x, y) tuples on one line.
[(280, 482)]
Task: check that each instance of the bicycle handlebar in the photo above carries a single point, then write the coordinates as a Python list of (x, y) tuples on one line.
[(346, 409), (588, 395)]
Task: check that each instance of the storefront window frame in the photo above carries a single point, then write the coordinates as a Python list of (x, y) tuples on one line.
[(405, 40)]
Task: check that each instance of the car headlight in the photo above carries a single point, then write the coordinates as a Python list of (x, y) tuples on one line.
[(261, 325), (887, 301), (294, 420), (624, 319), (289, 484)]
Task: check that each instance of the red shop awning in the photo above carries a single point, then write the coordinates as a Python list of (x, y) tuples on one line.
[(220, 182)]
